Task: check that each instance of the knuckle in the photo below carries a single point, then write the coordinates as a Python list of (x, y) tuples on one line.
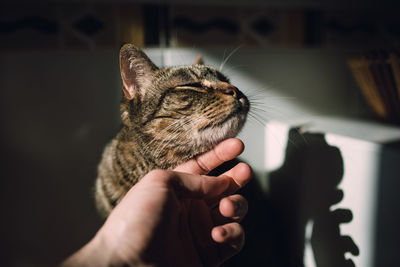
[(237, 235), (202, 165), (159, 175)]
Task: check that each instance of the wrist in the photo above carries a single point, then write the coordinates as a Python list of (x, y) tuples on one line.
[(94, 253)]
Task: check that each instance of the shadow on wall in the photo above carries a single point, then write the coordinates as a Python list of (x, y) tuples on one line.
[(301, 192)]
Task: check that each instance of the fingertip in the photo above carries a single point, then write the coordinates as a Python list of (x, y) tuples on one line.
[(234, 207), (240, 176), (227, 208), (243, 174), (237, 143), (222, 152), (230, 234), (229, 149), (219, 234), (231, 239), (245, 168), (214, 186)]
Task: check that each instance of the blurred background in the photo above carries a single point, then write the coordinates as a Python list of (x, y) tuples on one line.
[(322, 137)]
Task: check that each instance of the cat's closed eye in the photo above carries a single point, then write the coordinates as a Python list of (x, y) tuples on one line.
[(197, 86)]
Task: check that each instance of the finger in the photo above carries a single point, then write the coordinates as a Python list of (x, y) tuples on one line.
[(230, 208), (234, 207), (241, 175), (230, 237), (186, 185), (204, 163)]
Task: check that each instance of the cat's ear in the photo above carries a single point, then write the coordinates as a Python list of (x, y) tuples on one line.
[(199, 59), (136, 70)]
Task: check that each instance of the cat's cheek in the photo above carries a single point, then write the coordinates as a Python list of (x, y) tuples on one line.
[(125, 118)]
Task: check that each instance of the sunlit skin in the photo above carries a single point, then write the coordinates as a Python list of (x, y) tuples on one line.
[(175, 218)]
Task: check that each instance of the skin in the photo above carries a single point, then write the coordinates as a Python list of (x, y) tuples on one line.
[(175, 218)]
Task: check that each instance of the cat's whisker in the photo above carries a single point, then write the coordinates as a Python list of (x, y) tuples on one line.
[(261, 116), (161, 145), (171, 136), (264, 92), (265, 114), (162, 132), (257, 91), (256, 119), (229, 71), (155, 138), (262, 96), (223, 58), (259, 111), (274, 113), (227, 58), (262, 106), (262, 110)]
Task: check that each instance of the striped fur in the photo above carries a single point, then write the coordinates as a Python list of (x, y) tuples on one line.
[(169, 115)]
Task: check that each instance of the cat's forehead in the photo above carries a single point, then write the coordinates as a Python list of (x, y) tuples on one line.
[(194, 73)]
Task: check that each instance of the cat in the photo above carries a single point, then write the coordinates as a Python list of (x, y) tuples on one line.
[(169, 115)]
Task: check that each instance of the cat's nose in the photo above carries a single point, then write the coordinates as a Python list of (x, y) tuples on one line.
[(233, 91), (229, 89)]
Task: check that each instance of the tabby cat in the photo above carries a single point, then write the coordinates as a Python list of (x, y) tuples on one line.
[(169, 115)]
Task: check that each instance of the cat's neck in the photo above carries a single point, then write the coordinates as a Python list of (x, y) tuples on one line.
[(144, 155)]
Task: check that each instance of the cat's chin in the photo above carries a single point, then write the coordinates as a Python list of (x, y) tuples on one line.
[(213, 135)]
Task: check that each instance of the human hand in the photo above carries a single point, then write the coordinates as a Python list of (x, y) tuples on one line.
[(169, 219)]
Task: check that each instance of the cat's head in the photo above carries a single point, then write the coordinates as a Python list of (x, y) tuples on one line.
[(178, 112)]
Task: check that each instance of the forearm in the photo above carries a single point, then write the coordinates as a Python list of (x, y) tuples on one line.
[(99, 253), (94, 253)]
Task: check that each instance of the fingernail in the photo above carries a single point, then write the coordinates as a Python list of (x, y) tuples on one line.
[(239, 208), (223, 232)]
